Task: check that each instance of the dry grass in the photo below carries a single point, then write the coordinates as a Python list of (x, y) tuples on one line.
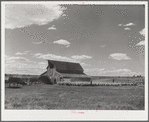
[(43, 97)]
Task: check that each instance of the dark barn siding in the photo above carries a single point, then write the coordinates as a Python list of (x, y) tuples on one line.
[(80, 79), (45, 80)]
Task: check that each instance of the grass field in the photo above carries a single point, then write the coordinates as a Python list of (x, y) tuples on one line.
[(60, 97)]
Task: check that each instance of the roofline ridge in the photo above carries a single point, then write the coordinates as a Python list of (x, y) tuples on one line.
[(63, 61)]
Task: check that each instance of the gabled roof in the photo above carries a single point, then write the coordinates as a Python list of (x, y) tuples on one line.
[(66, 67), (75, 75)]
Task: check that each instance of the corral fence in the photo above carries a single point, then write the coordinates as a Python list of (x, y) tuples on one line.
[(101, 84), (19, 82)]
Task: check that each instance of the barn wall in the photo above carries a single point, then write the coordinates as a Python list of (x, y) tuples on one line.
[(45, 79), (80, 79), (53, 75), (70, 71)]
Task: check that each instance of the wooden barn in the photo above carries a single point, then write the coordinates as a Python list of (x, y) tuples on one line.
[(59, 70)]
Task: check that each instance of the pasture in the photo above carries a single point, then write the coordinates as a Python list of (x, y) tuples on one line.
[(63, 97)]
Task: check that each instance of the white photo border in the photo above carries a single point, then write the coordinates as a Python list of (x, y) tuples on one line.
[(47, 115)]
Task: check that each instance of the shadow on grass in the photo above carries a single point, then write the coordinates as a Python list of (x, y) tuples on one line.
[(16, 105), (15, 87)]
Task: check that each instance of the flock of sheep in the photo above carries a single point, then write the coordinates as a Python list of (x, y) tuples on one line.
[(101, 84)]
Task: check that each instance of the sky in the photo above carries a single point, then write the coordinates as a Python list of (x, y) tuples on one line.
[(107, 40)]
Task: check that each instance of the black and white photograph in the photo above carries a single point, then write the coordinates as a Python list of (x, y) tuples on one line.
[(74, 60)]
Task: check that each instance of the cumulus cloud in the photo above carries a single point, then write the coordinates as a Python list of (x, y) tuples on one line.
[(119, 56), (32, 69), (54, 57), (127, 28), (120, 24), (121, 70), (103, 71), (42, 63), (94, 71), (38, 54), (17, 62), (19, 53), (81, 57), (84, 64), (22, 15), (16, 59), (21, 65), (38, 42), (142, 32), (129, 24), (52, 28), (106, 71), (62, 42), (141, 43), (62, 58)]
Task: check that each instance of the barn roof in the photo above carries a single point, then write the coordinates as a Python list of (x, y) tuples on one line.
[(75, 75), (66, 67)]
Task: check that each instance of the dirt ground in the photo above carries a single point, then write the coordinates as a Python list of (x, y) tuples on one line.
[(42, 97)]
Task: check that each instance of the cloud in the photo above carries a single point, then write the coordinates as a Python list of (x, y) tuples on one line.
[(28, 68), (94, 71), (54, 57), (142, 32), (22, 15), (120, 70), (84, 64), (19, 53), (120, 24), (37, 42), (16, 59), (103, 71), (76, 59), (141, 43), (129, 24), (81, 57), (119, 56), (68, 46), (21, 65), (15, 62), (42, 63), (127, 28), (62, 42), (38, 54), (52, 28), (102, 45), (126, 25)]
